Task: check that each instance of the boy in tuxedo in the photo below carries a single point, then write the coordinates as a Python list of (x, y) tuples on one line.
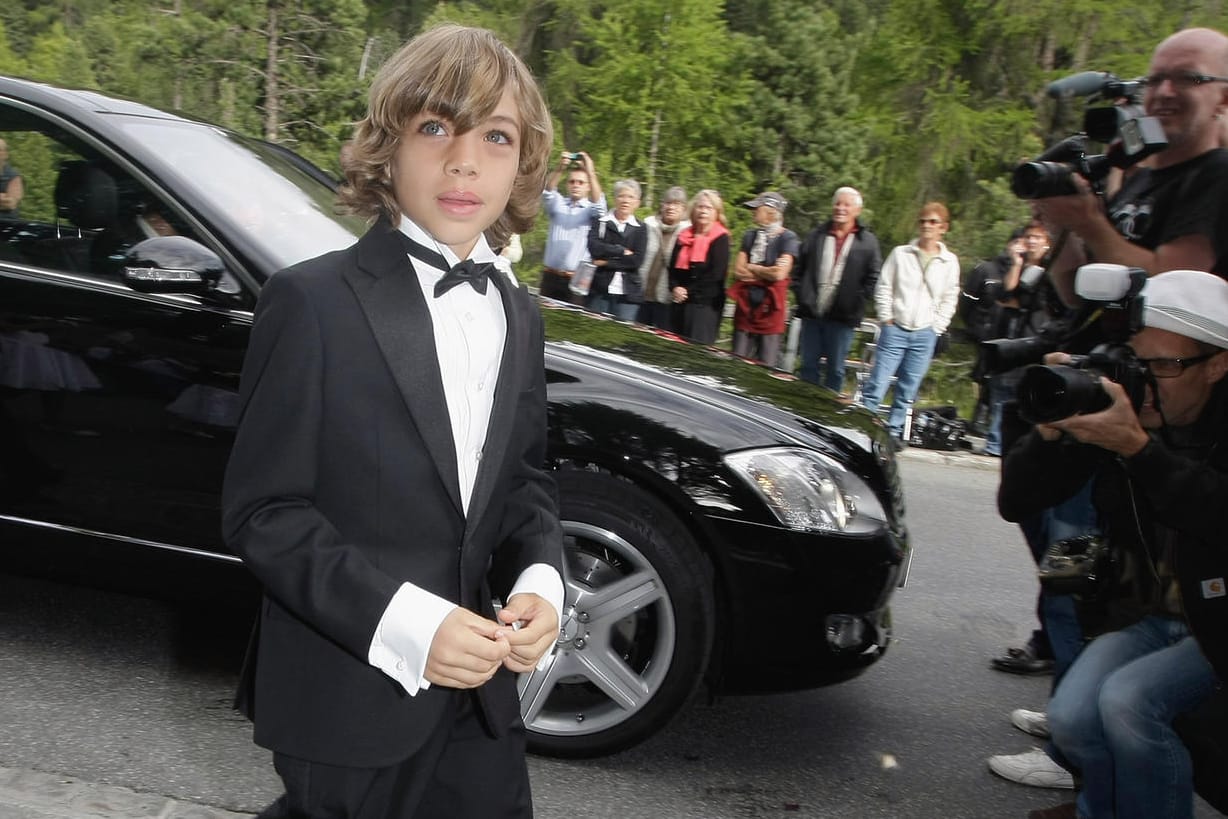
[(387, 480)]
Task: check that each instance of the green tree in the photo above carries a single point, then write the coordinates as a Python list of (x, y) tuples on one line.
[(807, 134)]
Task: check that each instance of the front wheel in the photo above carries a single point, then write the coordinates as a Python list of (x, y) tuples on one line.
[(637, 624)]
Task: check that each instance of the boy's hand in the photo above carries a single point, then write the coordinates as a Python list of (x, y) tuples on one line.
[(539, 630), (465, 652)]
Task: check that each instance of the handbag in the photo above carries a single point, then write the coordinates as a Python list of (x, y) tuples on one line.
[(1077, 565)]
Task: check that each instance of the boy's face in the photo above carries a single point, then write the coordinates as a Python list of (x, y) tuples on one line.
[(452, 185)]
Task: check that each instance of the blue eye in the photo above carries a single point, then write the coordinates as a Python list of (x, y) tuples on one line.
[(499, 137), (433, 127)]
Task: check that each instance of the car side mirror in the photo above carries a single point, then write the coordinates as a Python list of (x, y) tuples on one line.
[(172, 264)]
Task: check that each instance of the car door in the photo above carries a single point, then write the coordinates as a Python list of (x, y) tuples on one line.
[(117, 408)]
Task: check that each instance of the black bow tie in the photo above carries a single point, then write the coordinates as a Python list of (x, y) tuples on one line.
[(467, 271), (476, 273)]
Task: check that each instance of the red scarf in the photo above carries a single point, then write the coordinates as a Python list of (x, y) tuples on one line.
[(694, 246)]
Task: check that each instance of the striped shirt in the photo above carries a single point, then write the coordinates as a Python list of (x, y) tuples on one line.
[(567, 240)]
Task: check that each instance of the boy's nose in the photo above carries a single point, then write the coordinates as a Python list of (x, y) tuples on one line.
[(462, 160)]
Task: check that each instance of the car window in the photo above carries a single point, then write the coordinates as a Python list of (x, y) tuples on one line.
[(65, 207), (276, 201)]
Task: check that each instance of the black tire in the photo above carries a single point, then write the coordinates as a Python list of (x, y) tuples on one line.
[(637, 628)]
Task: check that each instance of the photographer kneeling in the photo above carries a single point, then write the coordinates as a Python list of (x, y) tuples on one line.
[(1161, 488)]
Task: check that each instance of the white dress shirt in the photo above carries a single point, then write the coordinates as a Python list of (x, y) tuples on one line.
[(470, 330)]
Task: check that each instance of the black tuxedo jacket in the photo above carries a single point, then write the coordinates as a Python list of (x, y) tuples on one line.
[(343, 484)]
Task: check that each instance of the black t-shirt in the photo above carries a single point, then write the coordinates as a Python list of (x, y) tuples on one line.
[(1155, 207)]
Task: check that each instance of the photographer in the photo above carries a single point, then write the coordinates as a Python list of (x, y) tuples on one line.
[(1167, 215), (1160, 478), (570, 217), (999, 302)]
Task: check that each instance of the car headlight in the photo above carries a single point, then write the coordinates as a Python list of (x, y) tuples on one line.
[(809, 491)]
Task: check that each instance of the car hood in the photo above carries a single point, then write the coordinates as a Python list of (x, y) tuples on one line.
[(732, 403)]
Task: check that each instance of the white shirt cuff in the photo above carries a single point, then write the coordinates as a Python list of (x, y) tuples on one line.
[(543, 580), (403, 637)]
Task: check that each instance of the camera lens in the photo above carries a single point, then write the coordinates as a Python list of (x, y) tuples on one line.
[(1003, 354), (1039, 180), (1050, 393)]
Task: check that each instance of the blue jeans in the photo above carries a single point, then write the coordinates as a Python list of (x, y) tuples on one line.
[(906, 355), (615, 306), (825, 339), (1072, 517), (1112, 715), (1001, 390)]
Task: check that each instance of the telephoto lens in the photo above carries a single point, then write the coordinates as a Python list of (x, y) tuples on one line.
[(1040, 180), (1049, 393)]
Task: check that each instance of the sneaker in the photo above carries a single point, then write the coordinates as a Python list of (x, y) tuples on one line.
[(1034, 768), (1022, 661), (1035, 723)]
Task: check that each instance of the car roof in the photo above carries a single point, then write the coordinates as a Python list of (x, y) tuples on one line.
[(79, 103)]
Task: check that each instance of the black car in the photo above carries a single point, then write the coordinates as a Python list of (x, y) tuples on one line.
[(724, 522)]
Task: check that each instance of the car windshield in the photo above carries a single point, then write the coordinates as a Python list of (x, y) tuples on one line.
[(277, 201)]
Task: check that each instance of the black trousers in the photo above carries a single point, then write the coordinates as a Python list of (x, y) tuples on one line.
[(557, 286), (461, 772)]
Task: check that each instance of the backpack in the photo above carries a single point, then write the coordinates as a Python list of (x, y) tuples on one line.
[(937, 428)]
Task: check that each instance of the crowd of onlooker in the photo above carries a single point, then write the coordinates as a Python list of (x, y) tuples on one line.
[(672, 270), (1118, 497)]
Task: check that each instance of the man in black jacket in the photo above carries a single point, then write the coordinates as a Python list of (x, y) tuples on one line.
[(1160, 481), (838, 269)]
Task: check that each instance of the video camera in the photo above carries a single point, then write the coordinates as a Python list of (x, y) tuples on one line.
[(1051, 392), (1130, 135)]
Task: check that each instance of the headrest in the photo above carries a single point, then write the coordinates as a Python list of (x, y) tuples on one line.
[(86, 195)]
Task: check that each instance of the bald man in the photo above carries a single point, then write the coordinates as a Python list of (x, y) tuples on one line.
[(1170, 214)]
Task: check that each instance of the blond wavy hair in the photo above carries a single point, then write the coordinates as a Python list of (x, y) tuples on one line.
[(718, 205), (458, 73)]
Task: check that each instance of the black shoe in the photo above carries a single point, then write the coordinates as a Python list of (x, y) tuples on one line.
[(1022, 661)]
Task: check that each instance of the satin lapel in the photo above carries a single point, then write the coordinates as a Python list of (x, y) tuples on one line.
[(389, 293), (507, 393)]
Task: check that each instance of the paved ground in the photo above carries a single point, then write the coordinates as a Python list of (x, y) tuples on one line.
[(26, 794), (29, 794), (962, 457)]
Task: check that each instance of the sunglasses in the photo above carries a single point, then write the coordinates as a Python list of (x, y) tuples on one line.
[(929, 221)]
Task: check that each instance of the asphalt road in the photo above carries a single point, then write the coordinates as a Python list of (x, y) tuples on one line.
[(127, 691)]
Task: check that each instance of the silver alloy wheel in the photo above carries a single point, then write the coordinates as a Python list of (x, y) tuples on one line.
[(616, 641)]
